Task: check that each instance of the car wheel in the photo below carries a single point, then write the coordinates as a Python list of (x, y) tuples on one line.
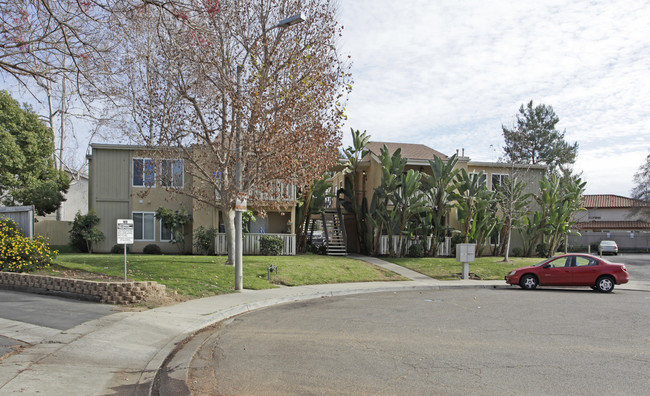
[(528, 282), (605, 284)]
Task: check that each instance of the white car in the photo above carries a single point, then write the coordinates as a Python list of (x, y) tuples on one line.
[(608, 247)]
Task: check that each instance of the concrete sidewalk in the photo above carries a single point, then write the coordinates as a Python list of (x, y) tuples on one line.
[(120, 354)]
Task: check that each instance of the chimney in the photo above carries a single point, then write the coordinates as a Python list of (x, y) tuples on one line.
[(463, 152)]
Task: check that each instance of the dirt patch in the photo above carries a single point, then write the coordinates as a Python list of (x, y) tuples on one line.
[(170, 298)]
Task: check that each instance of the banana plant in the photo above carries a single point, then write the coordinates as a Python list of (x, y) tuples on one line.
[(440, 187)]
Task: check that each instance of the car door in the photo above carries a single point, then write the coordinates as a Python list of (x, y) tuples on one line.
[(556, 272), (585, 271)]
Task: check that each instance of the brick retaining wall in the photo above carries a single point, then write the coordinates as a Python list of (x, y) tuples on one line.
[(104, 292)]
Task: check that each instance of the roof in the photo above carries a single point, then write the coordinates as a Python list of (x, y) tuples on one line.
[(610, 201), (613, 225), (409, 150)]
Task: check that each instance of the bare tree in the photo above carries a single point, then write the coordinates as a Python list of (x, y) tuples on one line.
[(228, 88)]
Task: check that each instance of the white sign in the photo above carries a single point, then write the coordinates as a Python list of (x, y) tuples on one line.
[(124, 231), (240, 203)]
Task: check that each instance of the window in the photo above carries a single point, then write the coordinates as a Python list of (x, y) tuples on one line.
[(171, 173), (144, 226), (498, 179), (144, 172), (165, 233), (560, 262), (583, 261)]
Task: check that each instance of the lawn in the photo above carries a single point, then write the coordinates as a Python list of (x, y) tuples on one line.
[(201, 276), (486, 268)]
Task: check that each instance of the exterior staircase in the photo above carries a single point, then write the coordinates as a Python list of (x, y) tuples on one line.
[(335, 237)]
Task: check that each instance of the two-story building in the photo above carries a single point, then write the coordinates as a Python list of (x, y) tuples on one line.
[(130, 182), (369, 172)]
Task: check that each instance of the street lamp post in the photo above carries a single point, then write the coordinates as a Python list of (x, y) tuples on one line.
[(239, 268)]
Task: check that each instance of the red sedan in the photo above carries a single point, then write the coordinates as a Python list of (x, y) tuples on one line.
[(571, 270)]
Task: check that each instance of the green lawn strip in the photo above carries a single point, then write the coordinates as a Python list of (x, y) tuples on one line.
[(201, 276), (487, 268)]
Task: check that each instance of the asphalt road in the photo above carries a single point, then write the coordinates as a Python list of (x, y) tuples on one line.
[(45, 311), (450, 342), (638, 265)]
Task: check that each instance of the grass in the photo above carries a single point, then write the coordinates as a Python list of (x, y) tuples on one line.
[(202, 276), (487, 268)]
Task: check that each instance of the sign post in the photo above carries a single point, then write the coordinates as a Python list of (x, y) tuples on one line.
[(125, 236)]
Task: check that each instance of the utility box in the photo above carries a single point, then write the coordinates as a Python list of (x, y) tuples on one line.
[(465, 252)]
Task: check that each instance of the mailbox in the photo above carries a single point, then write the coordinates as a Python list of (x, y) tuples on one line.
[(465, 252)]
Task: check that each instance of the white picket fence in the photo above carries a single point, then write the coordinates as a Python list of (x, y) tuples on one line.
[(444, 249), (251, 244)]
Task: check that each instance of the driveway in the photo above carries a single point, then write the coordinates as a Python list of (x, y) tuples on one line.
[(452, 342), (27, 318)]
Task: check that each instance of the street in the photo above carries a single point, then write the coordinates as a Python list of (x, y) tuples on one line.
[(458, 342), (44, 314)]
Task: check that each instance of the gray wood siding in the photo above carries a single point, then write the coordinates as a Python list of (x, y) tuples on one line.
[(111, 192)]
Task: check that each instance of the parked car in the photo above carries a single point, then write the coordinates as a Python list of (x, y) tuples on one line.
[(608, 247), (571, 270)]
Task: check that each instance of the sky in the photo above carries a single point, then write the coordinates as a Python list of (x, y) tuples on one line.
[(450, 73)]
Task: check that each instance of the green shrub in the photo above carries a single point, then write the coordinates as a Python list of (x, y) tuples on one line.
[(152, 248), (416, 250), (204, 240), (517, 252), (119, 249), (271, 245), (85, 232), (20, 254)]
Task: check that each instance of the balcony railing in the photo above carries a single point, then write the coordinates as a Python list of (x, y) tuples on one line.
[(251, 244)]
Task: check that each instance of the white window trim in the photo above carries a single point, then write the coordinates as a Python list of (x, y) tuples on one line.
[(172, 175), (160, 229), (154, 227), (144, 185), (503, 175)]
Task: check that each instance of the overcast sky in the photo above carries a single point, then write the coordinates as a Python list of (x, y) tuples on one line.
[(449, 73)]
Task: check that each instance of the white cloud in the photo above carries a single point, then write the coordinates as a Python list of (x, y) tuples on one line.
[(449, 73)]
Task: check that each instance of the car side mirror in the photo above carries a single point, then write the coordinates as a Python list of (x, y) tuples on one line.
[(546, 266)]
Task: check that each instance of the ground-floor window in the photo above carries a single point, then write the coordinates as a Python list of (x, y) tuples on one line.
[(144, 226)]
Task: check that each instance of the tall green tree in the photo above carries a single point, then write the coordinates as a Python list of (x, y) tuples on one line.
[(533, 139), (380, 216), (641, 190), (27, 172), (469, 188), (408, 201), (440, 187), (559, 198), (354, 154)]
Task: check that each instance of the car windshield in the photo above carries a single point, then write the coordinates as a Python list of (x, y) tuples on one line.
[(608, 243)]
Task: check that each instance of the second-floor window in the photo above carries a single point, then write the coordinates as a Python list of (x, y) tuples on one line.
[(171, 173), (144, 172)]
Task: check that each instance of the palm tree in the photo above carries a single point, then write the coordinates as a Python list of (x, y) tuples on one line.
[(440, 187)]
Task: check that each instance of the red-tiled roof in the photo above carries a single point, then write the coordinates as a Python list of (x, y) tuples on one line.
[(409, 150), (610, 201), (613, 225)]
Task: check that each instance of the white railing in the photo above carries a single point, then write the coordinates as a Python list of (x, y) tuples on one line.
[(251, 244), (444, 248)]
